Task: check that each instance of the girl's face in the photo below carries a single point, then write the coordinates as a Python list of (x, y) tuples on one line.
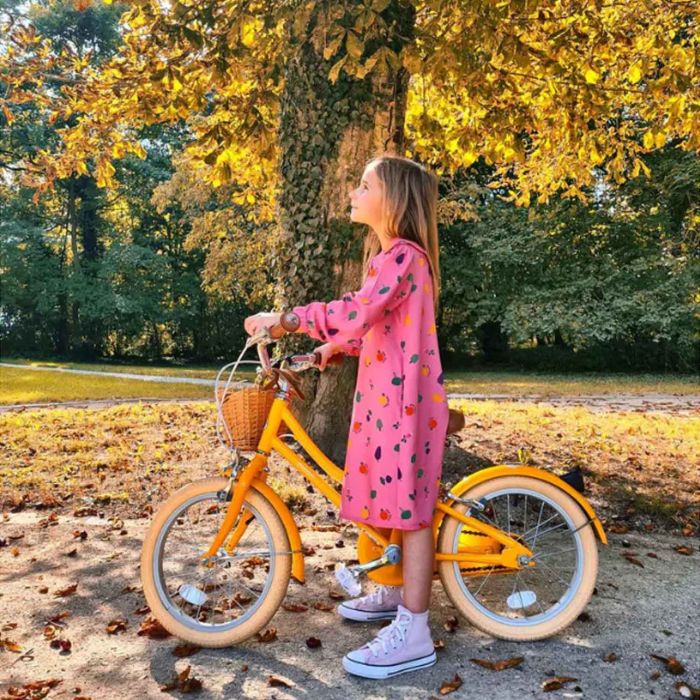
[(366, 200)]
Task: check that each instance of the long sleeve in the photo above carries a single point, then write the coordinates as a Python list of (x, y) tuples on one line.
[(389, 281), (351, 348)]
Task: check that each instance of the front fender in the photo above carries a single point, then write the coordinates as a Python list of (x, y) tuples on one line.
[(521, 470), (289, 525)]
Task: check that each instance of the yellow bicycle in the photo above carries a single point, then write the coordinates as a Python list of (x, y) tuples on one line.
[(515, 546)]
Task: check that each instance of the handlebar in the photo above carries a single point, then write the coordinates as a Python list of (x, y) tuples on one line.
[(297, 363)]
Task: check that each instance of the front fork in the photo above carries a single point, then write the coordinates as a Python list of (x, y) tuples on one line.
[(234, 494)]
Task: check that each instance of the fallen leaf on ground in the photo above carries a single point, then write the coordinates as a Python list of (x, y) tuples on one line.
[(273, 680), (449, 686), (10, 645), (632, 559), (683, 549), (269, 635), (182, 650), (118, 625), (451, 623), (556, 682), (499, 665), (69, 590), (35, 689), (62, 644), (152, 629), (673, 665), (685, 690), (59, 617), (183, 682)]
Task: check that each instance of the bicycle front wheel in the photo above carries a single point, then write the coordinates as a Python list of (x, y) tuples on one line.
[(234, 597), (534, 602)]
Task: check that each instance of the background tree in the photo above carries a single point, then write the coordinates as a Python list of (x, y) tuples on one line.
[(287, 100)]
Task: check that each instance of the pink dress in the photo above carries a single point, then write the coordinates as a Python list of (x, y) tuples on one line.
[(399, 419)]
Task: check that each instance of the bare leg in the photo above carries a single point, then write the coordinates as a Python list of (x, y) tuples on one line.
[(418, 557)]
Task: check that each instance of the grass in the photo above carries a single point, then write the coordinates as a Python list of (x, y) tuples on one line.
[(647, 464), (30, 386), (553, 384), (126, 458)]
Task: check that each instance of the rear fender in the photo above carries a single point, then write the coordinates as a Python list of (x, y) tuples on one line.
[(498, 470)]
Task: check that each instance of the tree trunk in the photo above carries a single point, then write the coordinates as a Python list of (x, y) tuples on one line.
[(493, 341), (328, 133), (156, 345)]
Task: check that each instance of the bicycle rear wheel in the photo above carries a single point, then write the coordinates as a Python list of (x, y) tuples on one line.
[(537, 601), (234, 598)]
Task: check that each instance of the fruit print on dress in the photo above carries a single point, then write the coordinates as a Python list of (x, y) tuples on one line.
[(395, 443)]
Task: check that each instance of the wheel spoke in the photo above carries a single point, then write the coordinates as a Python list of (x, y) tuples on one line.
[(484, 581), (538, 555), (539, 525), (566, 583), (189, 534), (552, 577), (547, 533)]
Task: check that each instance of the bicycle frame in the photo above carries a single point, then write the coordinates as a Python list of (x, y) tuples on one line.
[(254, 474)]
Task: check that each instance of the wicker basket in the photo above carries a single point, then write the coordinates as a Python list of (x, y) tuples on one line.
[(245, 410)]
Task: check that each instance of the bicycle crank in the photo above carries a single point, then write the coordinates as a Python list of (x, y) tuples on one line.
[(348, 576)]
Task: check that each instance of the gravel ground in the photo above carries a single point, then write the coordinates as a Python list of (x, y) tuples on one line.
[(635, 612)]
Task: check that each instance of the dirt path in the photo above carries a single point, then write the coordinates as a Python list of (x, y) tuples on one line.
[(665, 403), (635, 612)]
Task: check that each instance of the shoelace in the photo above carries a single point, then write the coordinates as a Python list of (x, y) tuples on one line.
[(390, 634), (377, 595)]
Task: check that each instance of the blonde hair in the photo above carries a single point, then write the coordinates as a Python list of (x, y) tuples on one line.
[(409, 203)]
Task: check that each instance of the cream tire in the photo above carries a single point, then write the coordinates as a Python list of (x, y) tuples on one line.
[(452, 579), (280, 567)]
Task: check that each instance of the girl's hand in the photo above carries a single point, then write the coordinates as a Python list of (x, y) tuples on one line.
[(253, 324), (326, 351)]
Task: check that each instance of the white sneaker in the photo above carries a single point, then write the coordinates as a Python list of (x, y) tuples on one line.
[(381, 604), (404, 645)]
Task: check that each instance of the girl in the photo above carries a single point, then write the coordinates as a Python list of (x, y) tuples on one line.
[(400, 414)]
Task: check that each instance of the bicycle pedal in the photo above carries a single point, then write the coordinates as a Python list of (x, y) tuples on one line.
[(348, 580)]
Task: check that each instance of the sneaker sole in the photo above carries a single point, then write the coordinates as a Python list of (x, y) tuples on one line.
[(378, 671), (365, 615)]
